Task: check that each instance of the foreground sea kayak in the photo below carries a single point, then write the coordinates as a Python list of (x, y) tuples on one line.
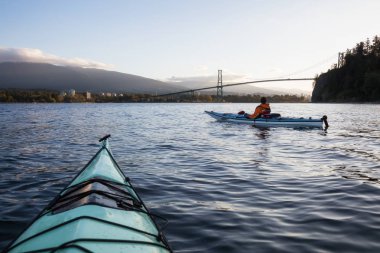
[(274, 120), (99, 211)]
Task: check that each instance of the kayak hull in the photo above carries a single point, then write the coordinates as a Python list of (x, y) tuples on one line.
[(99, 211), (266, 122)]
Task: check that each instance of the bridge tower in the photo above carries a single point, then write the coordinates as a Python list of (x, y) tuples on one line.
[(219, 88)]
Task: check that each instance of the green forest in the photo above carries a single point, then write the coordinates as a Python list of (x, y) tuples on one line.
[(356, 78)]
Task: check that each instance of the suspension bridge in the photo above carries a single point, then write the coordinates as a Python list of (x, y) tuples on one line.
[(219, 87)]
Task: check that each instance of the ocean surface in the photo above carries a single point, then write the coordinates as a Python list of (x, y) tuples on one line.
[(223, 187)]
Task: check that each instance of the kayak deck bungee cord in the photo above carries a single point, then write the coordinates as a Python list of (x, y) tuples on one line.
[(98, 212)]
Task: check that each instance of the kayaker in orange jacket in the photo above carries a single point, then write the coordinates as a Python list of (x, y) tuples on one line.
[(261, 109)]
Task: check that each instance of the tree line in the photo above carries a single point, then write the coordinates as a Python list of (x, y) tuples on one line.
[(355, 79)]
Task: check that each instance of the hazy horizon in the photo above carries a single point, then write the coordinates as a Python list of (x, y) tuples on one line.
[(181, 41)]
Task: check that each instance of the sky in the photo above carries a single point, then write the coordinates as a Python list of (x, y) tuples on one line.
[(174, 40)]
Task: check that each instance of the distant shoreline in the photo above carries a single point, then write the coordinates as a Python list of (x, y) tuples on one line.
[(44, 96)]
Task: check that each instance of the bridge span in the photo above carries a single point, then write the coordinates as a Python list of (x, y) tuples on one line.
[(220, 86)]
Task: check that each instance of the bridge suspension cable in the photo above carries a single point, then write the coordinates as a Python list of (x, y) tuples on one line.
[(322, 62), (235, 84)]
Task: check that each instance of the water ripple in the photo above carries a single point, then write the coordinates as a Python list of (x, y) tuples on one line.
[(223, 187)]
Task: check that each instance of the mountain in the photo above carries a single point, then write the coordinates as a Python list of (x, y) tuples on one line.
[(23, 75), (28, 76)]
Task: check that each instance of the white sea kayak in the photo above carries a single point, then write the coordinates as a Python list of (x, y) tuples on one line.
[(270, 120)]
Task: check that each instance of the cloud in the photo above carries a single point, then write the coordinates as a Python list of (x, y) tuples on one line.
[(36, 55), (207, 79), (189, 79)]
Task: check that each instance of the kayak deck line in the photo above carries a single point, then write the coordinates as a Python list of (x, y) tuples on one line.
[(70, 245), (158, 237), (99, 211), (99, 187), (103, 181), (99, 166)]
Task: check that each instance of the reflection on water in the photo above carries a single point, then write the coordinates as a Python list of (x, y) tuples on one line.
[(241, 188), (263, 132), (371, 175)]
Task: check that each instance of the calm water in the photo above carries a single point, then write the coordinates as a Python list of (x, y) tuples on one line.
[(223, 187)]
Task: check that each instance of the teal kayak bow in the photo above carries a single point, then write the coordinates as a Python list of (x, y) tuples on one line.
[(99, 211)]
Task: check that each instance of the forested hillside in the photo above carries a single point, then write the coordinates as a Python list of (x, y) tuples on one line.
[(355, 79)]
